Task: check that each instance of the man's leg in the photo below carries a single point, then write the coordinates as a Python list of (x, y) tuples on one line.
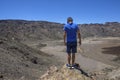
[(73, 58), (74, 50), (69, 58), (69, 53)]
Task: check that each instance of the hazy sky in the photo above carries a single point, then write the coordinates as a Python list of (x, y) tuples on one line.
[(82, 11)]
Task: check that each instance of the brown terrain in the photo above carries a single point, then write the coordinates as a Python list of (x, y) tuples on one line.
[(29, 48)]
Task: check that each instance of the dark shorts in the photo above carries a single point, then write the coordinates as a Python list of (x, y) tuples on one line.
[(71, 47)]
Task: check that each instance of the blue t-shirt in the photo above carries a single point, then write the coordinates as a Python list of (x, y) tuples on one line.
[(71, 30)]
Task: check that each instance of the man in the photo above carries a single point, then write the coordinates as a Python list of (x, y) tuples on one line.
[(71, 31)]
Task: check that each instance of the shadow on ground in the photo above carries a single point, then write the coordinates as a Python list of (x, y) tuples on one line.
[(114, 51)]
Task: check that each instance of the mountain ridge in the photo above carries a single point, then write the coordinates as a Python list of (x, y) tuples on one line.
[(49, 30)]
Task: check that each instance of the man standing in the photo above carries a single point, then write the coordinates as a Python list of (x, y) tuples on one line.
[(71, 31)]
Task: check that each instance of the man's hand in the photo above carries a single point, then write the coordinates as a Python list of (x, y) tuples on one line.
[(65, 38), (79, 36)]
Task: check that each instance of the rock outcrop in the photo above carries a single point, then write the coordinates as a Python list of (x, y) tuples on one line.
[(63, 74), (114, 74)]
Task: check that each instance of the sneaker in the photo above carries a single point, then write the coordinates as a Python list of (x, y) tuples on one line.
[(68, 66), (73, 66), (76, 66)]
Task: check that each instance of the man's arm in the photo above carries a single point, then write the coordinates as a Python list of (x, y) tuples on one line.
[(79, 36), (64, 37)]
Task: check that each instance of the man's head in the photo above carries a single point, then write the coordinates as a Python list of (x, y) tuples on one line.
[(69, 20)]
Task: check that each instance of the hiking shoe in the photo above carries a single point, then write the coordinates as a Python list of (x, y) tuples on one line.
[(68, 66)]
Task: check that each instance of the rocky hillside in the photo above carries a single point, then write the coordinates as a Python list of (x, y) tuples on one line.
[(19, 61), (109, 29), (30, 30), (43, 30)]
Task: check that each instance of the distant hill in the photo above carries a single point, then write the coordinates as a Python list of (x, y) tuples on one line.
[(43, 30), (32, 30), (109, 29)]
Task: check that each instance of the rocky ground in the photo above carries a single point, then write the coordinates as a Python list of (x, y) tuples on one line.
[(21, 62), (64, 74)]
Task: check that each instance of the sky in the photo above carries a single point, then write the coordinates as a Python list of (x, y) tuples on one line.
[(82, 11)]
